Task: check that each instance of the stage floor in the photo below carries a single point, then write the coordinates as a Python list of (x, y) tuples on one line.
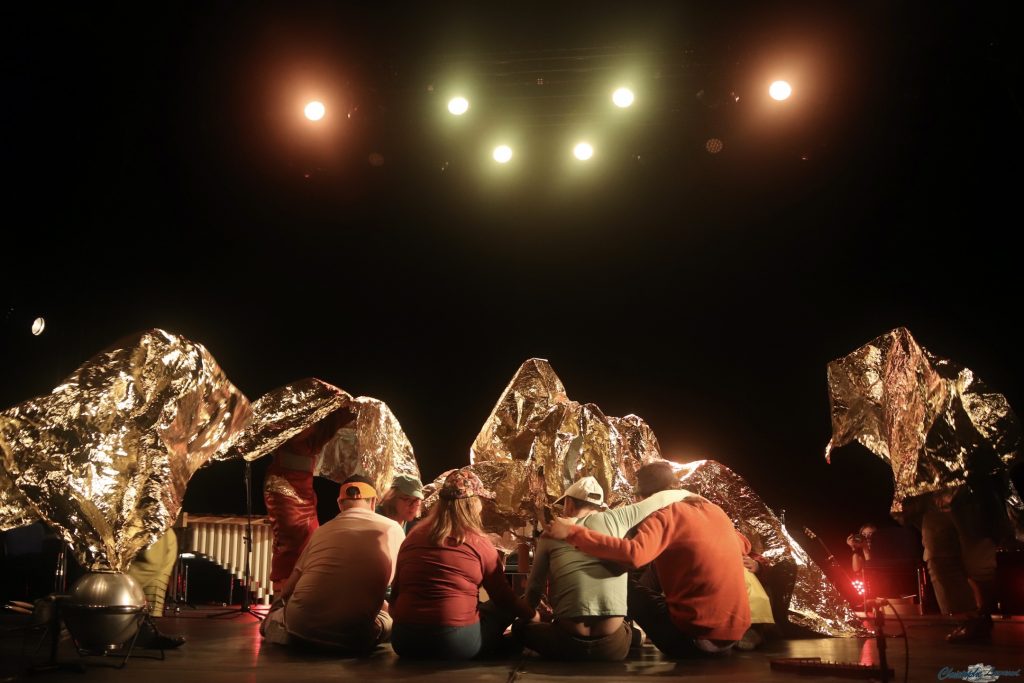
[(232, 650)]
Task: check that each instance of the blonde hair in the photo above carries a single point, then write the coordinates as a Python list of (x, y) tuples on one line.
[(454, 518)]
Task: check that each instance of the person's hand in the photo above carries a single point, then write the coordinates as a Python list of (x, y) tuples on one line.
[(559, 528), (751, 564), (385, 607)]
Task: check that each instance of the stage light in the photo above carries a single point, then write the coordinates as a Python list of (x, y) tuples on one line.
[(623, 97), (458, 105), (780, 90), (502, 154), (315, 110), (583, 151), (38, 325), (713, 146)]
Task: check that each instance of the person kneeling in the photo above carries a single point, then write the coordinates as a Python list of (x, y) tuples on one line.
[(334, 598)]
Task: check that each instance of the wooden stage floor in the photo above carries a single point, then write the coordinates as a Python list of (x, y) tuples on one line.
[(232, 650)]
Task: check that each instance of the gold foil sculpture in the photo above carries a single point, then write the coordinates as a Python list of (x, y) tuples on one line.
[(537, 441), (934, 422), (815, 603), (368, 438), (534, 423), (105, 457), (15, 509)]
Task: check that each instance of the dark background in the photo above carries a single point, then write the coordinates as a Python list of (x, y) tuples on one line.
[(159, 174)]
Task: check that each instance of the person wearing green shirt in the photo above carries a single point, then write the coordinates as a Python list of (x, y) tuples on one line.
[(587, 595)]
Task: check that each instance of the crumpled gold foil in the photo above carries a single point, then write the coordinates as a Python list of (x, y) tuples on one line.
[(15, 509), (815, 603), (535, 423), (368, 438), (105, 457), (537, 442), (934, 422)]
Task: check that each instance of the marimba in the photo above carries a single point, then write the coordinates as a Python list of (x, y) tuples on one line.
[(221, 539)]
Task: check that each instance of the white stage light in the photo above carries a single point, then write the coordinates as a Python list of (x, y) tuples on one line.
[(780, 90), (623, 97), (315, 110), (583, 151), (502, 154), (38, 325), (458, 105)]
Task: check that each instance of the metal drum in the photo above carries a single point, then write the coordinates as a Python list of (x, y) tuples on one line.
[(104, 610)]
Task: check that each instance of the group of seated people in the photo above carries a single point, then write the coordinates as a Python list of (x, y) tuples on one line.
[(450, 598)]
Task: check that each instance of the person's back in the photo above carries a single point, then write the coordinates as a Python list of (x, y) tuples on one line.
[(345, 570), (588, 596), (700, 569), (334, 596), (582, 585), (697, 555)]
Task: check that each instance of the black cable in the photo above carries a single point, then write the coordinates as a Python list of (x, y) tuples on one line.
[(906, 637)]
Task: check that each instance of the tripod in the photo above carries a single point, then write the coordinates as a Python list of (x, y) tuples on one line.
[(246, 606)]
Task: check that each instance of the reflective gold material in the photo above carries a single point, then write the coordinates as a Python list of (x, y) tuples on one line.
[(537, 441), (367, 437), (280, 486), (934, 422), (15, 509), (284, 412), (105, 457), (536, 424), (372, 444), (815, 603)]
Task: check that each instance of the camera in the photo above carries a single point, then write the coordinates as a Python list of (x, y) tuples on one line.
[(859, 539)]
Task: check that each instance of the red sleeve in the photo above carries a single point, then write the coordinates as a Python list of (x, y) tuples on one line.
[(652, 537), (494, 581)]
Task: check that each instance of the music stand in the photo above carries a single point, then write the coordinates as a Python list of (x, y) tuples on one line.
[(246, 606)]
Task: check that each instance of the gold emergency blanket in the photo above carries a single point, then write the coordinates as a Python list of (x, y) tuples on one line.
[(105, 457), (537, 441), (367, 437), (934, 422), (535, 425), (815, 603)]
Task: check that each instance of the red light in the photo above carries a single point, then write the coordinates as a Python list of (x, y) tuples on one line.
[(858, 585)]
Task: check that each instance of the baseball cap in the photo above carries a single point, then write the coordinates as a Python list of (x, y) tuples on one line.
[(463, 483), (357, 487), (408, 486), (586, 489)]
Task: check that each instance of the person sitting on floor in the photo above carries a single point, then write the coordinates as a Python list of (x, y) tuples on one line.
[(697, 555), (334, 598), (441, 567), (588, 596), (403, 501)]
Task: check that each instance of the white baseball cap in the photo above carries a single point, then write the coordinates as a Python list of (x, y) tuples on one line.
[(586, 489)]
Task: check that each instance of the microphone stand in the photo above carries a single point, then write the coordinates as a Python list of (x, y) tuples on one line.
[(829, 557), (246, 606)]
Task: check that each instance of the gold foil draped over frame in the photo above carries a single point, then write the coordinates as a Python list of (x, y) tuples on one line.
[(106, 456), (367, 437), (934, 422), (536, 442)]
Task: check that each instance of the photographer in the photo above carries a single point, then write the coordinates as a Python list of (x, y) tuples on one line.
[(860, 544)]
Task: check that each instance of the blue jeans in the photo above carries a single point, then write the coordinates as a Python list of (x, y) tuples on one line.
[(430, 641)]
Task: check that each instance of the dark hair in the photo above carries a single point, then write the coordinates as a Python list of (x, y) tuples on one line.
[(654, 477)]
